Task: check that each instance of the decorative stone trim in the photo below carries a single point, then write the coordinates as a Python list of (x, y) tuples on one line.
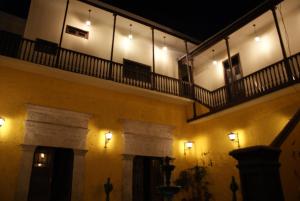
[(143, 139), (147, 139), (54, 128)]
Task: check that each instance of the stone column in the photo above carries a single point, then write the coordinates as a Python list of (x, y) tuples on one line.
[(127, 177), (25, 172), (259, 173), (78, 175)]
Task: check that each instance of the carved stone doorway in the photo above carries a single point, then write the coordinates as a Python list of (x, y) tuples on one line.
[(50, 127)]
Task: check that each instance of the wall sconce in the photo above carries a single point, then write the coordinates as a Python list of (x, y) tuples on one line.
[(88, 22), (187, 145), (108, 137), (234, 137), (2, 121)]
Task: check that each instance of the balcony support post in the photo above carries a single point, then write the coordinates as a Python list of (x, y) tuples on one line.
[(287, 65), (190, 71), (64, 24), (194, 110), (112, 47), (153, 59), (230, 66), (62, 33)]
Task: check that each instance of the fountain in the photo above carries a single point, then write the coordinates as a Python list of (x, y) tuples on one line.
[(167, 190)]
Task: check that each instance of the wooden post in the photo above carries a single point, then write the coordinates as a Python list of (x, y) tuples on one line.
[(287, 65), (153, 60), (190, 72), (230, 66), (62, 34), (194, 110), (112, 46), (64, 23)]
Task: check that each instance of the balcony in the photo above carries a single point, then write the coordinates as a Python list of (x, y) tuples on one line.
[(68, 60), (259, 83), (264, 81)]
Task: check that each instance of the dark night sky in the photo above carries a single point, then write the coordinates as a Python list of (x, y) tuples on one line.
[(199, 19)]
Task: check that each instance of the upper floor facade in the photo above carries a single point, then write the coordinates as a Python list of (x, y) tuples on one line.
[(255, 55)]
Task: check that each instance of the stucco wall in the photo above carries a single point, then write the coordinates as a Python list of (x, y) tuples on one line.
[(253, 55), (105, 106), (256, 124), (108, 107), (290, 163), (40, 25)]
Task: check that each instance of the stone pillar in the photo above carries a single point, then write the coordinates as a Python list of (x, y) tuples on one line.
[(24, 173), (78, 175), (259, 173), (127, 177)]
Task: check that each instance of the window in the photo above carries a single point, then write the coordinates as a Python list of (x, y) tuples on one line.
[(136, 71), (45, 46), (77, 32)]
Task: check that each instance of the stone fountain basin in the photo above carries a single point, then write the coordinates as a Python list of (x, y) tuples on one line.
[(169, 191)]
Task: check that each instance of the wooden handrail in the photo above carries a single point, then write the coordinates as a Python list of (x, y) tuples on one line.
[(261, 82)]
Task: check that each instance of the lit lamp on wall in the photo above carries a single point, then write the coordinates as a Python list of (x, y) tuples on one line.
[(256, 37), (88, 22), (234, 137), (108, 137), (2, 121), (187, 146)]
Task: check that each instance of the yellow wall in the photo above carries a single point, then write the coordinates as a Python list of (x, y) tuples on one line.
[(290, 163), (19, 88), (256, 124)]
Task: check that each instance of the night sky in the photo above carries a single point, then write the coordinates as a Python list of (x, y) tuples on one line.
[(186, 16)]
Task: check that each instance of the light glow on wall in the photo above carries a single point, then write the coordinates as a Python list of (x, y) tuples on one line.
[(257, 39), (126, 43), (161, 54), (88, 23)]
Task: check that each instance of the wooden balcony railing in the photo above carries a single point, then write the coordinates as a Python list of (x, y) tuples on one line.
[(264, 81), (64, 59)]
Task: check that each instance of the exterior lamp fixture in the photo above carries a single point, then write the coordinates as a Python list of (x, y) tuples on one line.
[(40, 160), (88, 22), (187, 145), (257, 38), (2, 121), (234, 137), (130, 33), (214, 58), (108, 137), (165, 47)]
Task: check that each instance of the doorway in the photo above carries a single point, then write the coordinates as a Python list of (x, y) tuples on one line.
[(51, 176), (232, 74), (147, 176), (185, 76)]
